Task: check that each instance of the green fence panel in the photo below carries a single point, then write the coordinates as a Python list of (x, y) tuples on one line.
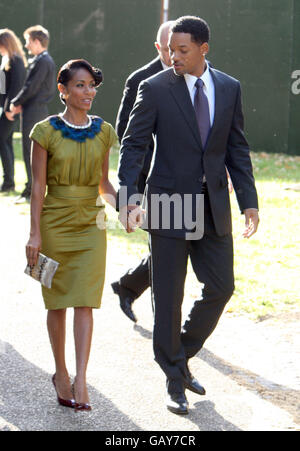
[(116, 35), (256, 41), (294, 130), (19, 14)]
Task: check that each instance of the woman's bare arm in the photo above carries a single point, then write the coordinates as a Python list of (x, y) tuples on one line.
[(39, 179), (106, 189)]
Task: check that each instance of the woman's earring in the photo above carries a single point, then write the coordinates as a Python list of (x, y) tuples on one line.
[(62, 99)]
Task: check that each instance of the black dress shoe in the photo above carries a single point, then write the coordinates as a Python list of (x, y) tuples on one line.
[(177, 403), (125, 300), (191, 383)]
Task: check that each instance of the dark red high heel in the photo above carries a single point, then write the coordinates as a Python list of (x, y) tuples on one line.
[(80, 406), (63, 402)]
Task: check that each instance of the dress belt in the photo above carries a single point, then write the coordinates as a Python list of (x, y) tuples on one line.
[(73, 191)]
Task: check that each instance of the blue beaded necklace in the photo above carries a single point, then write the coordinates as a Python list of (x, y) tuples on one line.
[(74, 132)]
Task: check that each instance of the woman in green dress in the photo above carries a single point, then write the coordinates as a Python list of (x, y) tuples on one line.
[(71, 157)]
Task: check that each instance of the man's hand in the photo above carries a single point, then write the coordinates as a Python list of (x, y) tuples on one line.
[(251, 222), (131, 216), (15, 109), (230, 185), (136, 217), (9, 115), (123, 217)]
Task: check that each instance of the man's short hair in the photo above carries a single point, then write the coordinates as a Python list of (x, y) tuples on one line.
[(195, 26), (40, 33)]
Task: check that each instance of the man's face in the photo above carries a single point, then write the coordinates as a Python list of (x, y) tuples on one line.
[(3, 51), (163, 51), (187, 56), (30, 45)]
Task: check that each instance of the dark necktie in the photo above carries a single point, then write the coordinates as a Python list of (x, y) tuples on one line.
[(202, 111)]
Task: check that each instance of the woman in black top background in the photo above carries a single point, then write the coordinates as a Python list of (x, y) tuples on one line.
[(13, 67)]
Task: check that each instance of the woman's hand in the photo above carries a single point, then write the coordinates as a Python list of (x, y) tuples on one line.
[(9, 115), (33, 248)]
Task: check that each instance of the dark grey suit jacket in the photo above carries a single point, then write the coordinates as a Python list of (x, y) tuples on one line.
[(163, 107), (39, 87), (14, 80), (128, 99)]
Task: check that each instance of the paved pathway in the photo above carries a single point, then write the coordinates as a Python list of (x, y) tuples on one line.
[(249, 369)]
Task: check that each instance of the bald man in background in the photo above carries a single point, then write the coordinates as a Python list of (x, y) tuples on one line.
[(135, 281)]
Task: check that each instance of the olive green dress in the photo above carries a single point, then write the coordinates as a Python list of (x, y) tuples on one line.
[(73, 219)]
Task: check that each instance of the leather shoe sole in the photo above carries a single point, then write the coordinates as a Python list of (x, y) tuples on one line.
[(177, 404), (193, 385), (125, 301)]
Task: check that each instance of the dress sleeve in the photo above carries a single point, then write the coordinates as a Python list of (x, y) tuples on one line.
[(112, 137), (41, 134)]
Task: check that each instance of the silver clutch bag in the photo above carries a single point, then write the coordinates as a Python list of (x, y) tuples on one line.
[(43, 271)]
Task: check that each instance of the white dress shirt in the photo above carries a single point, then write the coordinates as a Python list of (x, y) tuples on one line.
[(164, 65), (208, 89)]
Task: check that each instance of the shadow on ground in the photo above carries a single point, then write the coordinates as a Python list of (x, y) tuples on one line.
[(279, 395), (28, 401)]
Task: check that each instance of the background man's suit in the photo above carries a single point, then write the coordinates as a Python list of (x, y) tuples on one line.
[(14, 80), (37, 92), (163, 107), (137, 280)]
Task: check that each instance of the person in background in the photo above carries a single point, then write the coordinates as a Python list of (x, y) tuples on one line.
[(135, 281), (13, 67), (38, 90), (71, 155)]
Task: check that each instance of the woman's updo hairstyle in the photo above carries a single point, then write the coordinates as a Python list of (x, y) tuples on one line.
[(67, 71)]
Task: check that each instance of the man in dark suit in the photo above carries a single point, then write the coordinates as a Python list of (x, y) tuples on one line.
[(135, 281), (14, 73), (37, 92), (195, 114)]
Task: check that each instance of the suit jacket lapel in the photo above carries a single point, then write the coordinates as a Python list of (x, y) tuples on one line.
[(182, 97), (219, 106)]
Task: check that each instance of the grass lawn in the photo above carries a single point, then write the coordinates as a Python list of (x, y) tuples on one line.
[(267, 266)]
